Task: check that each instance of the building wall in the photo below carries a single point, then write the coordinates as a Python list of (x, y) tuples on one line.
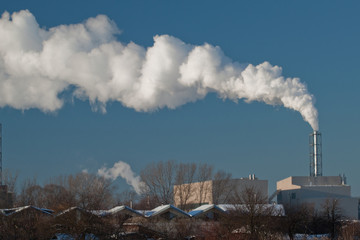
[(341, 190), (195, 193), (209, 191), (293, 198), (260, 186), (316, 191), (289, 197), (320, 180), (298, 182), (286, 184)]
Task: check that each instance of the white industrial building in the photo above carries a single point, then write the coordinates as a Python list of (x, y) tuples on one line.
[(317, 190)]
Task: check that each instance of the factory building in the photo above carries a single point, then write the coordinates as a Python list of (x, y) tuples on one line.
[(216, 192), (317, 190)]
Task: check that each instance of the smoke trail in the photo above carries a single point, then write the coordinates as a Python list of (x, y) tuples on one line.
[(37, 65), (123, 170)]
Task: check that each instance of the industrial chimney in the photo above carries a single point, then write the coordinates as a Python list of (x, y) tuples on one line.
[(315, 154)]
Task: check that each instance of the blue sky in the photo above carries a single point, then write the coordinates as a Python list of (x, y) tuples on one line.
[(315, 41)]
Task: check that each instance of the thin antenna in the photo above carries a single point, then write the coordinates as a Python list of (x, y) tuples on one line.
[(1, 177)]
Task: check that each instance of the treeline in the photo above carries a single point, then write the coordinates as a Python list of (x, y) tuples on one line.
[(250, 218), (160, 178), (91, 191), (84, 190)]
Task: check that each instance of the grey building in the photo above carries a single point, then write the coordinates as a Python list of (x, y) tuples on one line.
[(316, 191)]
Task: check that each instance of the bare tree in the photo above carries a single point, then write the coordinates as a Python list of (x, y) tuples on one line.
[(127, 198), (297, 219), (27, 223), (254, 213), (332, 215), (350, 230), (159, 179), (185, 182), (147, 202), (85, 190), (10, 179), (185, 175), (205, 173), (57, 197), (184, 228), (222, 187), (31, 193), (81, 224), (8, 189), (90, 191)]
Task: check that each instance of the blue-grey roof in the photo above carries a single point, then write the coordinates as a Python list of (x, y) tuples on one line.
[(10, 211), (164, 208), (115, 210), (204, 209)]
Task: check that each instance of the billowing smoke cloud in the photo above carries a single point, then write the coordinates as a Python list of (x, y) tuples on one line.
[(123, 170), (37, 65)]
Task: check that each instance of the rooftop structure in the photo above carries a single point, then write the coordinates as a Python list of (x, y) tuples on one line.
[(303, 182)]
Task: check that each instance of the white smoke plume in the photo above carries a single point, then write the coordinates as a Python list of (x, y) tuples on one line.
[(38, 64), (123, 170)]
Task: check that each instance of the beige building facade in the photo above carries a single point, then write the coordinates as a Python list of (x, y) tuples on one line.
[(216, 192)]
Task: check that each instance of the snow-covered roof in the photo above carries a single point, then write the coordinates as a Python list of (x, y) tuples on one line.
[(73, 209), (11, 211), (116, 210), (276, 209), (166, 208), (203, 209), (66, 211)]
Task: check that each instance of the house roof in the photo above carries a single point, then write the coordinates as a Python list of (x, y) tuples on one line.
[(204, 209), (166, 208), (117, 209), (11, 211), (276, 209), (74, 209)]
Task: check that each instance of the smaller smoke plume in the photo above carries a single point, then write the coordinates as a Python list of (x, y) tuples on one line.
[(123, 170)]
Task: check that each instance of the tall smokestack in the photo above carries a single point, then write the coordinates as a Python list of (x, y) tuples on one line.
[(0, 154), (315, 154)]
